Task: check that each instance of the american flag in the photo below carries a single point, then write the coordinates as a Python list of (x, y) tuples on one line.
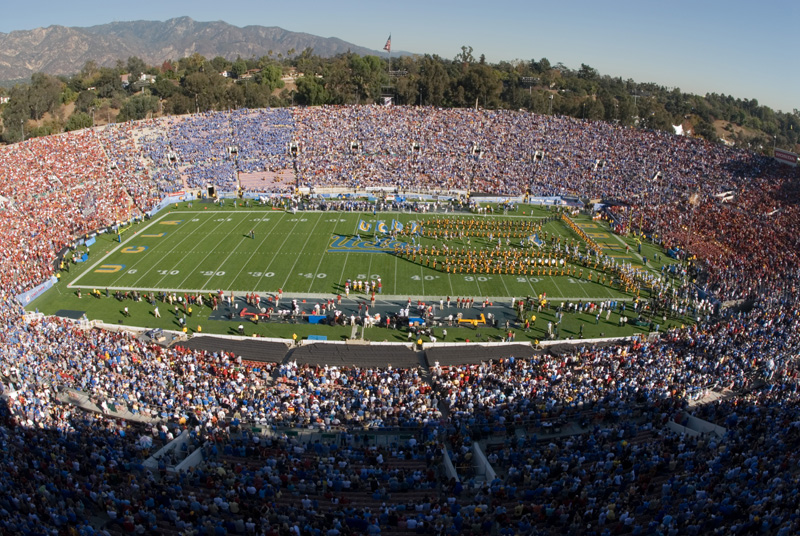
[(388, 46)]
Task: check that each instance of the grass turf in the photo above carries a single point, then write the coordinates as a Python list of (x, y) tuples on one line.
[(311, 254)]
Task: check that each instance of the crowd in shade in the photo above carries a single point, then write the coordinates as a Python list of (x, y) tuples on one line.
[(582, 442)]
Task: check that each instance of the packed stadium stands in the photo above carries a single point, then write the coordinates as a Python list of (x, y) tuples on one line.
[(590, 440)]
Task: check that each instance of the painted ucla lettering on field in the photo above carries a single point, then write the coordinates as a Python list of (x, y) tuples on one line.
[(354, 244), (382, 227)]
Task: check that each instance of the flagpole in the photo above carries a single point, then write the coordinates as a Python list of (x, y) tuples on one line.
[(388, 48)]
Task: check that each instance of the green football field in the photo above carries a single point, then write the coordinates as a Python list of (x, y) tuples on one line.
[(314, 253), (310, 255)]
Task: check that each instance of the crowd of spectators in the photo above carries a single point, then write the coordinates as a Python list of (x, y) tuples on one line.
[(65, 470), (682, 365), (56, 189), (667, 185)]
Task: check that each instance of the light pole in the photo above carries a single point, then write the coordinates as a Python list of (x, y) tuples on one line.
[(92, 110), (551, 105), (22, 128)]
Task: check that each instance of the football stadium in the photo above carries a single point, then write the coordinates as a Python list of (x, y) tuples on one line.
[(397, 320)]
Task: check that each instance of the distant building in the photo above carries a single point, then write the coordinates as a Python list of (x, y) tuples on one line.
[(249, 74), (144, 80)]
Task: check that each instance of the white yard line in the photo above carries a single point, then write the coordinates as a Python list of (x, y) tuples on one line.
[(263, 240), (214, 250), (173, 250), (111, 252), (277, 252), (297, 258)]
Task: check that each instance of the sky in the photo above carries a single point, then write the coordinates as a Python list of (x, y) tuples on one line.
[(744, 49)]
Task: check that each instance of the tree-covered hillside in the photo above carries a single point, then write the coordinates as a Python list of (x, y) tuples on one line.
[(134, 90)]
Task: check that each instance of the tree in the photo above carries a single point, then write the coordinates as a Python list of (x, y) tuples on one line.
[(193, 64), (207, 89), (465, 57), (68, 95), (135, 67), (307, 63), (586, 72), (164, 87), (15, 114), (107, 82), (541, 66), (77, 121), (179, 104), (47, 128), (339, 83), (270, 76), (595, 109), (77, 83), (167, 67), (238, 68), (434, 81), (706, 130), (89, 69), (44, 94), (368, 74), (137, 107), (310, 91), (482, 83), (220, 64)]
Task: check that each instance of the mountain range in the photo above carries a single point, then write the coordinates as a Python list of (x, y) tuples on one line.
[(65, 50)]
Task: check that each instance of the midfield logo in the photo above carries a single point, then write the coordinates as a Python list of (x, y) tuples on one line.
[(346, 244)]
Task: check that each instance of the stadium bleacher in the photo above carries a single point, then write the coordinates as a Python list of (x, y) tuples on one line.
[(695, 433)]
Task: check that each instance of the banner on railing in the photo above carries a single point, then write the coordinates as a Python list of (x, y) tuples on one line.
[(27, 297)]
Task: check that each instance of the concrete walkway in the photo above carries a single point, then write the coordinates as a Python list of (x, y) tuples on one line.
[(113, 410)]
